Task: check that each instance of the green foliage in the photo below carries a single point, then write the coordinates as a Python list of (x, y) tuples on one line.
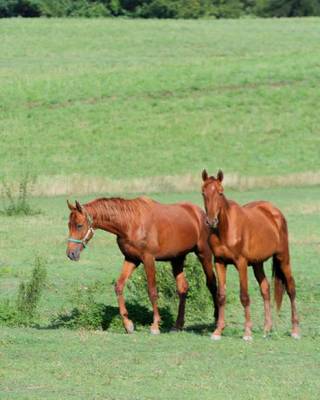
[(22, 8), (158, 8), (17, 201), (199, 306), (287, 8), (24, 310), (88, 313), (228, 8), (175, 9)]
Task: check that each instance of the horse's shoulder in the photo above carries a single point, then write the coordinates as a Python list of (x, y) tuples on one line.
[(191, 207)]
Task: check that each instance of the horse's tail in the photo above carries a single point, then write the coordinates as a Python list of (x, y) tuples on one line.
[(279, 282)]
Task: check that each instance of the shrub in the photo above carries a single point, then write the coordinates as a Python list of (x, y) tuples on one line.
[(199, 306), (89, 314), (23, 8), (24, 309)]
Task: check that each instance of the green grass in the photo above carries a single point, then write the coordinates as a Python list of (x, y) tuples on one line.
[(60, 363), (133, 98), (125, 99)]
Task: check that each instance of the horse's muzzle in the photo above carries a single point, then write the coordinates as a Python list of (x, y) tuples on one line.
[(74, 254), (213, 224)]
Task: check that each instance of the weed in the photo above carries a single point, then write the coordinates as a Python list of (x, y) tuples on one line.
[(17, 200)]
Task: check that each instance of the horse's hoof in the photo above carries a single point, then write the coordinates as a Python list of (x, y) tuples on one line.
[(266, 335), (129, 327), (295, 335), (247, 338), (155, 331), (215, 337)]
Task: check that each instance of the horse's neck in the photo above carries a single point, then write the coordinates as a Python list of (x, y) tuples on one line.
[(105, 219), (224, 219)]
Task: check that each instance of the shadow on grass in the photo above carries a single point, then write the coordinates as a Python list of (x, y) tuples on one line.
[(200, 329), (100, 316)]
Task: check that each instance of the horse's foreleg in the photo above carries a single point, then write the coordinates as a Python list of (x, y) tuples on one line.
[(182, 289), (242, 267), (127, 269), (265, 293), (205, 259), (149, 266), (221, 270)]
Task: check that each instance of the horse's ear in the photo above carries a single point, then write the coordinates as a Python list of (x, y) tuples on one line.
[(78, 206), (220, 175), (71, 207), (204, 175)]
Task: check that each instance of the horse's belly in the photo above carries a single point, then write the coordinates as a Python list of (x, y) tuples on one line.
[(175, 243), (260, 247)]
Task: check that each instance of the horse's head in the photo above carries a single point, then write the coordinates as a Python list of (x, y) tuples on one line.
[(212, 191), (80, 230)]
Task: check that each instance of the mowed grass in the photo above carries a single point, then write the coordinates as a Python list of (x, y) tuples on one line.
[(132, 98), (64, 364)]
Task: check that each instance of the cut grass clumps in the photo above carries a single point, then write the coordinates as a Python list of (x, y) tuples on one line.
[(24, 310), (89, 314), (17, 199)]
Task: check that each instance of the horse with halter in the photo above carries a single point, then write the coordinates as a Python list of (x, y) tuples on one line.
[(248, 235), (146, 231)]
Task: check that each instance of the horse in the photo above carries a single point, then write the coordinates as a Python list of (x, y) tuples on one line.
[(146, 231), (247, 236)]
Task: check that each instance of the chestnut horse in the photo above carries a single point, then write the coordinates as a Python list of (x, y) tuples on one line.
[(248, 235), (146, 231)]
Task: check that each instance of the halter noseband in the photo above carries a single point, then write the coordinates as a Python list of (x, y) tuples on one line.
[(84, 241)]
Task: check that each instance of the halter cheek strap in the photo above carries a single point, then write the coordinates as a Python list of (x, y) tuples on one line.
[(84, 241)]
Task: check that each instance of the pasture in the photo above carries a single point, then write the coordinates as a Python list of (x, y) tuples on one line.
[(107, 102)]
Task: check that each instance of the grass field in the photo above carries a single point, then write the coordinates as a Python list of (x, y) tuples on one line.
[(111, 102), (123, 99), (59, 363)]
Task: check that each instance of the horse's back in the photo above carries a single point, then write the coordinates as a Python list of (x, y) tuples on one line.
[(176, 227), (264, 210)]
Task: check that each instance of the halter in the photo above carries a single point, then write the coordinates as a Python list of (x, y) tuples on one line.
[(90, 230)]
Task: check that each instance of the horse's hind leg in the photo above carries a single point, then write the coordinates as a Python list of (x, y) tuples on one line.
[(182, 289), (265, 293), (127, 269), (283, 263)]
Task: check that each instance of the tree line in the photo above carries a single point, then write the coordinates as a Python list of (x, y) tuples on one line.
[(159, 8)]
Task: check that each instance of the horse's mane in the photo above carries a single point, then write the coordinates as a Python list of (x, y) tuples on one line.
[(117, 208)]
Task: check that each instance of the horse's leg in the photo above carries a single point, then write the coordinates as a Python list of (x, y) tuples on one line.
[(205, 258), (285, 267), (127, 269), (182, 289), (149, 266), (265, 293), (221, 274), (242, 267)]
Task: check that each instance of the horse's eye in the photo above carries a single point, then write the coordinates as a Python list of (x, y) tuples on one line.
[(79, 226)]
